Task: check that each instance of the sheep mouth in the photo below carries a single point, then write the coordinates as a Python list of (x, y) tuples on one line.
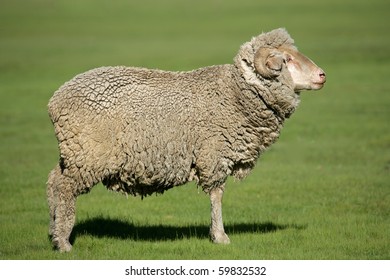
[(318, 85)]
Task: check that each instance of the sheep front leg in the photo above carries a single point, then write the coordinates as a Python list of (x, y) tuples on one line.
[(62, 204), (217, 232)]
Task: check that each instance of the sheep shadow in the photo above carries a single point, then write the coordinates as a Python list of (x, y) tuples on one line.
[(114, 228)]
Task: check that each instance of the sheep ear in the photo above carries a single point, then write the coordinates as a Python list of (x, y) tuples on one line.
[(268, 62)]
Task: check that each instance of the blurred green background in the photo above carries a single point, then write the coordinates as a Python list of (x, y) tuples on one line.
[(321, 192)]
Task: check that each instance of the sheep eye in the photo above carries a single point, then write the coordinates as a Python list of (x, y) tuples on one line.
[(288, 58)]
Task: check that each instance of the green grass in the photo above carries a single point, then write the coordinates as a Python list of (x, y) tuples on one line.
[(321, 192)]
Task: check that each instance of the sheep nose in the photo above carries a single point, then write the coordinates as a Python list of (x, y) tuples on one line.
[(322, 76)]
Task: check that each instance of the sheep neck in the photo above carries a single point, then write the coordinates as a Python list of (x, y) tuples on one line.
[(277, 95)]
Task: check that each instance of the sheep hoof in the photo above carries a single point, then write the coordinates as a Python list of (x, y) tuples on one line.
[(65, 247), (220, 238), (62, 245)]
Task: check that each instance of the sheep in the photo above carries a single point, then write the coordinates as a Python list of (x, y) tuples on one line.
[(141, 131)]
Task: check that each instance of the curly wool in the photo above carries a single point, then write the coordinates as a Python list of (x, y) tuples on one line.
[(141, 131)]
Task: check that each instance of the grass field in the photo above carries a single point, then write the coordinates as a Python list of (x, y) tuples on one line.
[(321, 192)]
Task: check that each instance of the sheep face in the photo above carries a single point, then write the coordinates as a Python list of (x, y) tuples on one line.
[(305, 74)]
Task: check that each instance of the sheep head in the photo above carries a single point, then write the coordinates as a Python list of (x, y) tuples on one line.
[(305, 74), (273, 54)]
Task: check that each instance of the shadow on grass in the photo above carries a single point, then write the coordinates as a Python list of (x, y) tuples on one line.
[(106, 227)]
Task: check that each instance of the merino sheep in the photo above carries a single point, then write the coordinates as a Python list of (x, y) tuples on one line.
[(142, 131)]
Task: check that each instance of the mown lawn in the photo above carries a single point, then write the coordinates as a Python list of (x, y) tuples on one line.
[(321, 192)]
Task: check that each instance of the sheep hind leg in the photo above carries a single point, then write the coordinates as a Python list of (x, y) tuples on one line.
[(217, 231), (62, 203)]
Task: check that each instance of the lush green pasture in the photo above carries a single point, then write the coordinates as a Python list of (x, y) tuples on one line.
[(321, 192)]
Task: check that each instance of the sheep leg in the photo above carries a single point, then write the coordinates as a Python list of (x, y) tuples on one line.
[(51, 198), (62, 203), (217, 232)]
